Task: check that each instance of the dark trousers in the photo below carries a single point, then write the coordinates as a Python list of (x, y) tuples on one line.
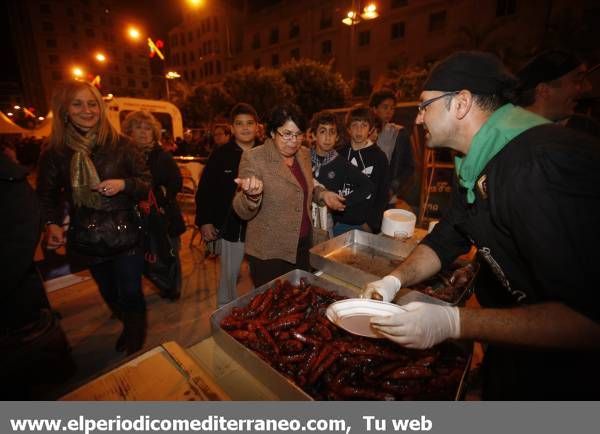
[(265, 270), (120, 282)]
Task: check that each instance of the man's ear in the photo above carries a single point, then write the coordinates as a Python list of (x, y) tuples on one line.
[(463, 101), (541, 91)]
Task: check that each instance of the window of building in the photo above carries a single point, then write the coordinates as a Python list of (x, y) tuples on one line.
[(56, 75), (72, 28), (116, 67), (118, 81), (198, 33), (364, 38), (200, 73), (102, 20), (190, 36), (200, 53), (208, 24), (127, 55), (184, 58), (186, 76), (326, 47), (193, 72), (217, 46), (256, 41), (506, 7), (131, 82), (143, 71), (90, 33), (176, 59), (210, 68), (294, 30), (105, 37), (274, 35), (209, 47), (47, 26), (203, 26), (326, 20), (218, 65), (397, 30), (182, 38), (216, 24), (191, 55), (437, 21), (399, 3), (45, 9), (174, 40), (275, 60), (145, 84), (256, 63), (295, 53), (50, 43), (70, 12), (87, 17), (129, 69), (53, 59)]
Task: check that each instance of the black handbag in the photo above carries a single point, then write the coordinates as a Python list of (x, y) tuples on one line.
[(94, 232), (160, 257)]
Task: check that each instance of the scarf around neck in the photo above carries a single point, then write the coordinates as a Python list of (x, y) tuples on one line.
[(83, 173), (318, 161), (503, 125)]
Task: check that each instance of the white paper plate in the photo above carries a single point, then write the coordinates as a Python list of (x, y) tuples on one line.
[(354, 314)]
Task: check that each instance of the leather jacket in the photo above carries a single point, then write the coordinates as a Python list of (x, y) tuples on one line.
[(122, 161)]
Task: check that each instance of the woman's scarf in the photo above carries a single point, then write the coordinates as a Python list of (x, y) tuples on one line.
[(505, 124), (84, 175)]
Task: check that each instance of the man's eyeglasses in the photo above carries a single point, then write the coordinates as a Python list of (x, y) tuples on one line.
[(288, 135), (421, 107)]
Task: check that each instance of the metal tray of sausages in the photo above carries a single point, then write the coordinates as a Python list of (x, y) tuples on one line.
[(277, 383), (359, 257)]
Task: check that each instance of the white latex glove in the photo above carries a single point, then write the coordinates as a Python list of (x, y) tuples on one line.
[(386, 288), (423, 325)]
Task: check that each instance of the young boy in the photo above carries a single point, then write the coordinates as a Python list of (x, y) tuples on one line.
[(394, 141), (336, 174), (372, 162), (214, 214)]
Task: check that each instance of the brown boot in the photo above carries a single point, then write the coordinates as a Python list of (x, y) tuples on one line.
[(134, 331)]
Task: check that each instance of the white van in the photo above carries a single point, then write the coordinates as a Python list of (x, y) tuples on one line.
[(167, 113)]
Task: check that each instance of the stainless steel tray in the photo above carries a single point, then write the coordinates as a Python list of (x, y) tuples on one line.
[(359, 257), (281, 386)]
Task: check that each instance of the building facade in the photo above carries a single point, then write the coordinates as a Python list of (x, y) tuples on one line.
[(53, 38), (405, 32)]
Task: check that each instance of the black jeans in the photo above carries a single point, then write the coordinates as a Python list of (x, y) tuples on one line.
[(265, 270), (120, 282)]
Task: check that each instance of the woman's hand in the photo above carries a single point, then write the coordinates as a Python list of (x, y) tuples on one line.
[(252, 187), (110, 187), (55, 236), (333, 200)]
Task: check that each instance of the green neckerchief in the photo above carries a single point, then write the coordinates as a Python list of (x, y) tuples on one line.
[(503, 125)]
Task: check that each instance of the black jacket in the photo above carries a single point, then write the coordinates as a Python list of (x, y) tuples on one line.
[(22, 294), (165, 172), (216, 190), (372, 162), (535, 223), (343, 178)]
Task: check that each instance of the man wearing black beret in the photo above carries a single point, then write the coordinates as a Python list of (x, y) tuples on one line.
[(530, 202), (551, 83)]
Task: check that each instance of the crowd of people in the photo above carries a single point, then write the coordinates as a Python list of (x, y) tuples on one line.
[(525, 197)]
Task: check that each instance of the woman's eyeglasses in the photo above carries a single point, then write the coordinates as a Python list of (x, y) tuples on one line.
[(421, 107), (288, 135)]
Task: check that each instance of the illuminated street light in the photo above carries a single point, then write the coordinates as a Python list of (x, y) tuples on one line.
[(17, 107), (370, 12), (100, 57), (133, 33), (171, 75), (9, 114), (195, 3), (351, 18), (77, 72), (41, 118)]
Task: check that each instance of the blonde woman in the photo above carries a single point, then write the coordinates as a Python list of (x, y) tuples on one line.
[(102, 176), (145, 131)]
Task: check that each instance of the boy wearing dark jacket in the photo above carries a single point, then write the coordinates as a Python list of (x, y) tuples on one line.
[(337, 174), (372, 162), (214, 214)]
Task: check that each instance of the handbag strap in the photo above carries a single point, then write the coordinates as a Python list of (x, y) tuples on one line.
[(152, 200)]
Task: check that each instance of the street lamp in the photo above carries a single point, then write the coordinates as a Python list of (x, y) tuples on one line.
[(195, 3), (133, 33), (100, 57), (17, 107), (171, 75), (77, 72), (352, 19)]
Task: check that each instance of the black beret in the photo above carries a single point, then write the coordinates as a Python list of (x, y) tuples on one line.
[(545, 67), (476, 71)]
